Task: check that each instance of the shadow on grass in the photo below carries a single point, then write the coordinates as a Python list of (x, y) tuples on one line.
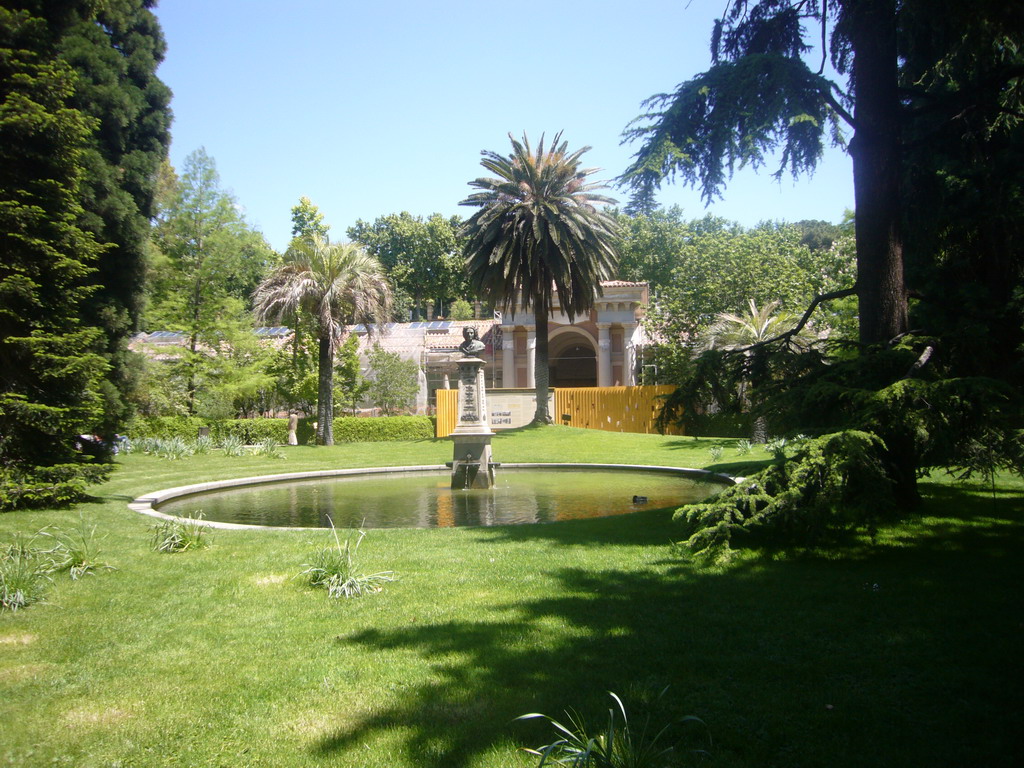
[(906, 653)]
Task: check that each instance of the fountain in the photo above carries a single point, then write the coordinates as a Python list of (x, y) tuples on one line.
[(471, 457), (430, 496)]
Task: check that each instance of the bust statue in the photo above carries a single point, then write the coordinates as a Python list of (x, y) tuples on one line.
[(471, 345)]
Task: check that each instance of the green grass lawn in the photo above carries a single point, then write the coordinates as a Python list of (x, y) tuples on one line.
[(902, 652)]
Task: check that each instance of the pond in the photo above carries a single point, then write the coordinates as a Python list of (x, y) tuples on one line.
[(424, 499)]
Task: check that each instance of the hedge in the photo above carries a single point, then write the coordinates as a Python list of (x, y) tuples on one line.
[(347, 429), (353, 429)]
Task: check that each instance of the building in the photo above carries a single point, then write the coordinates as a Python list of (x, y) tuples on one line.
[(596, 351), (599, 350)]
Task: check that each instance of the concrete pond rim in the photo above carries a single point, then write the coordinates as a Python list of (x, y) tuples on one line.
[(147, 503)]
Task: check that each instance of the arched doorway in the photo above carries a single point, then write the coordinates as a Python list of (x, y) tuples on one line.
[(572, 361)]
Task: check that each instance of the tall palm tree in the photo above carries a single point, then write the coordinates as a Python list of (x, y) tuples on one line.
[(737, 331), (335, 284), (538, 234)]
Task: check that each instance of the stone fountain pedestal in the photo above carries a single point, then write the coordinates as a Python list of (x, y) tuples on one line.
[(471, 457)]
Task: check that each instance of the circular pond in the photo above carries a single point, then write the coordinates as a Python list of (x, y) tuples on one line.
[(424, 499)]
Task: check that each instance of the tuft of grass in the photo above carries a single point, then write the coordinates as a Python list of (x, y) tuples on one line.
[(268, 448), (716, 453), (334, 568), (171, 536), (233, 445), (76, 551), (743, 447), (203, 445), (173, 448), (24, 574), (618, 745)]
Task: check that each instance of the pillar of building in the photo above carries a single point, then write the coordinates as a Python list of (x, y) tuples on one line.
[(531, 358), (628, 355), (508, 356), (604, 355)]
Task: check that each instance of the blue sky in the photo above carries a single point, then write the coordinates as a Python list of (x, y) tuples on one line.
[(380, 106)]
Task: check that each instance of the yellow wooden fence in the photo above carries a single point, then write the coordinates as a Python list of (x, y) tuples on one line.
[(613, 409), (447, 411)]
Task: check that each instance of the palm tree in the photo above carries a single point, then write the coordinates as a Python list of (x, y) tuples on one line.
[(539, 234), (336, 284), (738, 331)]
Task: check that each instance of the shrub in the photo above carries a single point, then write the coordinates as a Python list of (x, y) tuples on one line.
[(255, 431), (722, 424), (347, 429), (203, 445), (184, 427), (250, 431), (334, 568), (352, 429), (171, 536), (58, 486), (834, 483)]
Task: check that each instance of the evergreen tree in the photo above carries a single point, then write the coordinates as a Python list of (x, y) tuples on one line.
[(49, 370), (115, 49)]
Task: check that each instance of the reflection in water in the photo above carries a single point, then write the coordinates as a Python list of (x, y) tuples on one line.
[(425, 500)]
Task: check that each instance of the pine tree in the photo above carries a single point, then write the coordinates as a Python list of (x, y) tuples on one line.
[(115, 48), (49, 370)]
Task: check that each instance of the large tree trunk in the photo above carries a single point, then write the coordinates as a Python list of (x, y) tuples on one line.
[(875, 149), (877, 169), (540, 363), (325, 392)]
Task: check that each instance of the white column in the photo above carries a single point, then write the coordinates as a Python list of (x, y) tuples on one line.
[(628, 355), (508, 356), (604, 355), (531, 357)]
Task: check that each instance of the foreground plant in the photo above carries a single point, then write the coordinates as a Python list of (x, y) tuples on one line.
[(24, 575), (233, 445), (268, 448), (619, 745), (334, 568), (179, 535), (76, 551), (835, 483)]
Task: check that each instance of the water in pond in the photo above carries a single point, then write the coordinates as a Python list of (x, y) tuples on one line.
[(425, 500)]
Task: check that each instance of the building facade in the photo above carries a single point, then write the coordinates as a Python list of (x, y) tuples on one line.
[(599, 350)]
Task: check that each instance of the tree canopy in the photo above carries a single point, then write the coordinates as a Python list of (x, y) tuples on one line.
[(538, 234), (908, 66), (210, 261), (115, 49), (50, 369), (422, 257), (337, 284), (933, 94)]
